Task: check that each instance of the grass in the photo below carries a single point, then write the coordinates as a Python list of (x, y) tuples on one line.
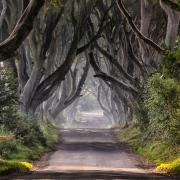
[(14, 149), (14, 166), (5, 135), (14, 154), (132, 135), (164, 155), (22, 152), (159, 152)]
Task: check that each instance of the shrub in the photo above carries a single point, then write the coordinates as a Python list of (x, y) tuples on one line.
[(8, 95), (24, 129), (14, 166), (162, 99), (163, 106), (29, 147), (171, 167), (21, 137)]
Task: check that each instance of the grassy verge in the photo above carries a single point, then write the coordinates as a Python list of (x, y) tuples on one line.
[(15, 153), (164, 155)]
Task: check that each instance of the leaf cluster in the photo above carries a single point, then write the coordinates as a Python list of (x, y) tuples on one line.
[(162, 99), (8, 94)]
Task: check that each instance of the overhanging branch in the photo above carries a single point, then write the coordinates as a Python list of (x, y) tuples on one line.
[(97, 35), (172, 5), (114, 61), (21, 30), (148, 41), (109, 78)]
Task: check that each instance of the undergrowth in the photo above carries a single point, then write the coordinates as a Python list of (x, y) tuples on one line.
[(161, 153), (170, 167), (14, 166), (21, 138), (156, 135), (14, 149)]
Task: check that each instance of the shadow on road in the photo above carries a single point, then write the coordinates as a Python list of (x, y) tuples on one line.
[(86, 154), (94, 146), (90, 176)]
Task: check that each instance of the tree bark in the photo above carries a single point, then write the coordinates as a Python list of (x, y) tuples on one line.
[(151, 43), (172, 26), (21, 30)]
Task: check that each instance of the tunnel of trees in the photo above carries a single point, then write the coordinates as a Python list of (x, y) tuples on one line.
[(126, 53)]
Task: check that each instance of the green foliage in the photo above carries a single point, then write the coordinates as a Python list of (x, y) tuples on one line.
[(23, 128), (8, 94), (157, 136), (158, 151), (29, 145), (131, 134), (4, 132), (170, 167), (178, 1), (155, 151), (171, 64), (162, 99), (163, 106), (20, 137), (54, 3), (14, 166)]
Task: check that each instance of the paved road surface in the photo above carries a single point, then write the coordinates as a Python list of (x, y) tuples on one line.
[(91, 150), (91, 154)]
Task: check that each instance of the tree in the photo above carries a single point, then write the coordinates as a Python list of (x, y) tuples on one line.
[(120, 42)]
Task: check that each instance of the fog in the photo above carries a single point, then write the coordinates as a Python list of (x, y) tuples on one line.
[(86, 114)]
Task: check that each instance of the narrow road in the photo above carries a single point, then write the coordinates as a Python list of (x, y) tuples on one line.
[(91, 154), (85, 149)]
